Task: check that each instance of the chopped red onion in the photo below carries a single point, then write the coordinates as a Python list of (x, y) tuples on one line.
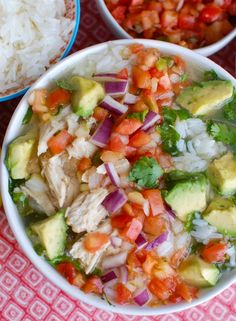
[(113, 106), (116, 88), (112, 173), (157, 241), (130, 99), (116, 241), (110, 293), (169, 211), (113, 261), (150, 120), (115, 200), (140, 241), (108, 277), (123, 274), (102, 134), (166, 95), (105, 77), (141, 297)]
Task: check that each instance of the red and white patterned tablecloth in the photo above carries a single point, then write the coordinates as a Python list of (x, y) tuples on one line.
[(25, 294)]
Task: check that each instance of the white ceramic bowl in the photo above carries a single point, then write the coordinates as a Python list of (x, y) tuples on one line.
[(198, 64), (119, 32)]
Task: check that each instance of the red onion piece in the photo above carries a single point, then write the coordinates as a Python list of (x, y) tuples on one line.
[(112, 173), (110, 293), (140, 240), (113, 261), (142, 297), (105, 77), (116, 241), (115, 200), (169, 211), (116, 88), (113, 106), (124, 274), (108, 277), (150, 120), (130, 98), (157, 241), (102, 134)]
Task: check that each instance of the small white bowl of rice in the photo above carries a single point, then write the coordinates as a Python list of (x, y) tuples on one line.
[(102, 59), (33, 36)]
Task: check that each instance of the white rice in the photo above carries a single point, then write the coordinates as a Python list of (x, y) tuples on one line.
[(32, 34), (198, 148)]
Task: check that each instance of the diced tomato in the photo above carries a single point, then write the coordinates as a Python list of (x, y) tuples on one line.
[(116, 144), (128, 126), (232, 9), (94, 241), (164, 159), (154, 5), (165, 82), (155, 200), (100, 113), (214, 252), (185, 291), (119, 13), (136, 2), (58, 97), (136, 47), (139, 106), (169, 19), (93, 285), (123, 74), (127, 208), (67, 270), (149, 18), (150, 100), (225, 4), (141, 78), (154, 225), (133, 229), (133, 261), (156, 73), (139, 139), (123, 295), (159, 288), (210, 14), (59, 142), (84, 164), (186, 21), (130, 151), (120, 220), (149, 263)]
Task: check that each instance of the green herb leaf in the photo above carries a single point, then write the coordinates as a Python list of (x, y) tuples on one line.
[(229, 110), (65, 258), (210, 75), (139, 115), (183, 77), (28, 116), (170, 115), (188, 225), (13, 183), (169, 137), (22, 203), (195, 248), (222, 132), (97, 272), (96, 160), (146, 172)]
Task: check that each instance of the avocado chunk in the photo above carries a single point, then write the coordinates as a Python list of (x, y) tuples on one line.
[(86, 96), (221, 213), (52, 234), (18, 156), (199, 273), (188, 196), (222, 174), (206, 97)]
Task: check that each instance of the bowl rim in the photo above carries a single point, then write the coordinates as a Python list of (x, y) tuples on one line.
[(205, 51), (14, 217), (65, 53)]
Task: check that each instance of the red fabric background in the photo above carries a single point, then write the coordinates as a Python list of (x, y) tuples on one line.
[(25, 294)]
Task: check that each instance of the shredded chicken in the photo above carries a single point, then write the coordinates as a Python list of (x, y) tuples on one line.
[(80, 147), (86, 212), (91, 260), (60, 174), (36, 189)]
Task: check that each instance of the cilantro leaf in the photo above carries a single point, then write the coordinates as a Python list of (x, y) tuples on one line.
[(146, 172), (229, 110), (22, 203), (222, 132), (139, 115), (183, 114), (65, 84), (211, 75), (170, 115), (188, 225), (28, 116), (183, 77), (169, 137)]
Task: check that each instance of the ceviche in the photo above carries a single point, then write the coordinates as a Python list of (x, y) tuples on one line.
[(189, 23), (125, 176)]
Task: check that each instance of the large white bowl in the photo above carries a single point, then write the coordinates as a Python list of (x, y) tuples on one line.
[(119, 32), (198, 64)]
